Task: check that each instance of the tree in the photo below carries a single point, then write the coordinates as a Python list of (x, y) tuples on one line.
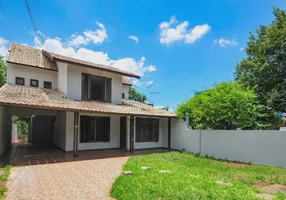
[(264, 69), (22, 127), (223, 105), (3, 71), (136, 96)]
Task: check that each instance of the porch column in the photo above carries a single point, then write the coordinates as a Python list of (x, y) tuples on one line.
[(169, 133), (131, 138), (75, 139)]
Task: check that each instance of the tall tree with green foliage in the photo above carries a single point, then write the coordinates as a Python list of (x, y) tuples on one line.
[(223, 105), (134, 95), (3, 71), (264, 68)]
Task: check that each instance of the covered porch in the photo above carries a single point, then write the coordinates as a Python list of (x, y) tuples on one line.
[(79, 129), (32, 154)]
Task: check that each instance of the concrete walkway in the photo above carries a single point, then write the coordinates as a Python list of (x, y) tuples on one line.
[(91, 179)]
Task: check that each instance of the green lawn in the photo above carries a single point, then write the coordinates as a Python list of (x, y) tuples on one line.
[(3, 179), (180, 184)]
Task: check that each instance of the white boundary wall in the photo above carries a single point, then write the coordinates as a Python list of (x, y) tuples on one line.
[(260, 147)]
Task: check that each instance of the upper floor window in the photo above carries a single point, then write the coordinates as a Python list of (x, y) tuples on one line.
[(96, 88), (47, 85), (20, 81), (34, 83)]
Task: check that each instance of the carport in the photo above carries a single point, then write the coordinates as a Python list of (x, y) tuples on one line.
[(41, 140)]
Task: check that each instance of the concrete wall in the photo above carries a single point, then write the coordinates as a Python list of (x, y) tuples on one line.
[(5, 129), (14, 70), (182, 138), (260, 147), (60, 130), (74, 83)]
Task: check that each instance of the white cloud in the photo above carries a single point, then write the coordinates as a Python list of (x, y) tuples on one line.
[(164, 25), (138, 83), (128, 64), (222, 42), (96, 37), (77, 40), (241, 49), (56, 46), (169, 35), (164, 107), (3, 46), (196, 33), (132, 37)]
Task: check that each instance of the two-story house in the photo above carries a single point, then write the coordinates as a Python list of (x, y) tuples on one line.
[(77, 105)]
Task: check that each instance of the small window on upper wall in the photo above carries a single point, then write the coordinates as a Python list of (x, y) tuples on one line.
[(123, 96), (20, 81), (34, 83), (47, 85)]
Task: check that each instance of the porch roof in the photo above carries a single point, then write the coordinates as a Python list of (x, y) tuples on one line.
[(53, 99)]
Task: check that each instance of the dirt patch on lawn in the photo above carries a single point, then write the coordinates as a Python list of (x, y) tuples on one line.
[(273, 188), (236, 164), (265, 196), (2, 184)]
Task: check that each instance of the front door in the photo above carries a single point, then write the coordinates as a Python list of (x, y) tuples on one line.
[(123, 132)]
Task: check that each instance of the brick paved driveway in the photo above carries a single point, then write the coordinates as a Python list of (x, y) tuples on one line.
[(91, 179)]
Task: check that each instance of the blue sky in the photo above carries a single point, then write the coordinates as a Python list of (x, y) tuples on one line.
[(182, 47)]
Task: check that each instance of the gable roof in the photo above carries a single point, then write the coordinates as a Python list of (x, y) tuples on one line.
[(28, 56), (53, 99), (25, 55), (125, 81)]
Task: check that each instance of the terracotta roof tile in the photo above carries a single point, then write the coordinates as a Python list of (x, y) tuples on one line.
[(125, 81), (40, 98), (21, 54), (25, 55), (90, 64)]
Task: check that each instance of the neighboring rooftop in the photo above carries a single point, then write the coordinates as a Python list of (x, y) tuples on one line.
[(33, 57), (40, 98), (125, 81)]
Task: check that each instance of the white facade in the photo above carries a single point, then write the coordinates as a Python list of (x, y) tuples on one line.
[(125, 91), (68, 79), (62, 77), (74, 77), (14, 70), (114, 134)]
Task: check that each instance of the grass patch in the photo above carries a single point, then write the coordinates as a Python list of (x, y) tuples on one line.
[(181, 184), (3, 179)]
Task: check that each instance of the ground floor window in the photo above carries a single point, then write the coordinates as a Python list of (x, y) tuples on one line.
[(94, 129), (147, 130)]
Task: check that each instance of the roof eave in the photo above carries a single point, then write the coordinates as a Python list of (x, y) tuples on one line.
[(87, 66), (34, 66), (77, 110)]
